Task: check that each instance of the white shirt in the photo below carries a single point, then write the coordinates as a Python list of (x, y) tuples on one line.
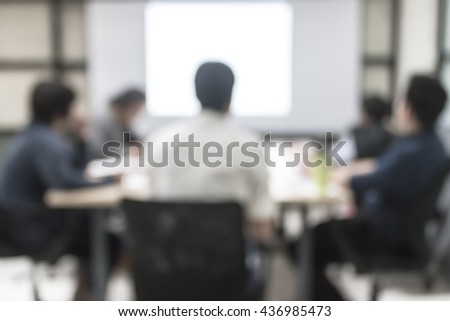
[(246, 185)]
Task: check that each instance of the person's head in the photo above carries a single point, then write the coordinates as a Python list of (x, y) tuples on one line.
[(52, 103), (374, 110), (424, 101), (214, 86), (126, 105)]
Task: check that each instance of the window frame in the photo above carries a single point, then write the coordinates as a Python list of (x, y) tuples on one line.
[(57, 65), (443, 53), (389, 61)]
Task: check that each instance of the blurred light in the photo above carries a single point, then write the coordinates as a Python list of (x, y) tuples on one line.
[(254, 39)]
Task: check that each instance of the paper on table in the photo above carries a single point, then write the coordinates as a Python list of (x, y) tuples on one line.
[(99, 168)]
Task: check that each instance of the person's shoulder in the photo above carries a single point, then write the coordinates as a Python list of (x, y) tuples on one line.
[(46, 139), (243, 133), (416, 147), (169, 131), (40, 141), (37, 133), (400, 151)]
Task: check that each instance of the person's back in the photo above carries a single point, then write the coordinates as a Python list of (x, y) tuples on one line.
[(208, 180), (214, 167)]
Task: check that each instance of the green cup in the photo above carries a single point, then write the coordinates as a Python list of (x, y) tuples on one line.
[(321, 173)]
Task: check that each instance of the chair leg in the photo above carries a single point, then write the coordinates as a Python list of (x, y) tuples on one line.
[(375, 291), (429, 277), (34, 285), (36, 296), (428, 282)]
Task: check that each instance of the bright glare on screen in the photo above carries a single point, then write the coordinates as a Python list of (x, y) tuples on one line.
[(254, 39)]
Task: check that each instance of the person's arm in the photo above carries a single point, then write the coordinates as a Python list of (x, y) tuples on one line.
[(343, 175), (55, 165), (390, 176), (262, 231), (262, 209), (363, 167)]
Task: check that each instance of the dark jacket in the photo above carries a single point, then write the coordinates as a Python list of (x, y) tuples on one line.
[(403, 172), (36, 160)]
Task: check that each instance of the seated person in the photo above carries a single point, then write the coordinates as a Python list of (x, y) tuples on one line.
[(387, 185), (127, 114), (39, 158), (208, 180), (369, 138)]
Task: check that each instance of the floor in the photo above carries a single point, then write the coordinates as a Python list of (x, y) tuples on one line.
[(58, 283)]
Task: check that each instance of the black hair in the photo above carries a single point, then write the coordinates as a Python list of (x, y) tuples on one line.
[(427, 98), (376, 108), (127, 99), (214, 85), (50, 100)]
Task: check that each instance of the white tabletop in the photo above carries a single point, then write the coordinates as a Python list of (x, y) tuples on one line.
[(287, 186)]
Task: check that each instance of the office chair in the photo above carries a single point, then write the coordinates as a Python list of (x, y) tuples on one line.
[(187, 250), (416, 256)]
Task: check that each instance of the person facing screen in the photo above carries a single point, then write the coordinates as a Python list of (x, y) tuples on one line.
[(207, 180), (370, 137), (387, 186), (127, 114)]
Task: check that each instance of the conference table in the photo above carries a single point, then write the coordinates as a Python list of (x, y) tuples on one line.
[(289, 187)]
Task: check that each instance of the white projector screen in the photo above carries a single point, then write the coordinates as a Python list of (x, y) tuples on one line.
[(181, 36)]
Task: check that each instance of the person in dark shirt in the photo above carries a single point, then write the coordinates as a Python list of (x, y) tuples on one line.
[(39, 158), (387, 185), (371, 138)]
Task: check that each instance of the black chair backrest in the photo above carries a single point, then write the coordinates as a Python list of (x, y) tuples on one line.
[(187, 251), (423, 211)]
